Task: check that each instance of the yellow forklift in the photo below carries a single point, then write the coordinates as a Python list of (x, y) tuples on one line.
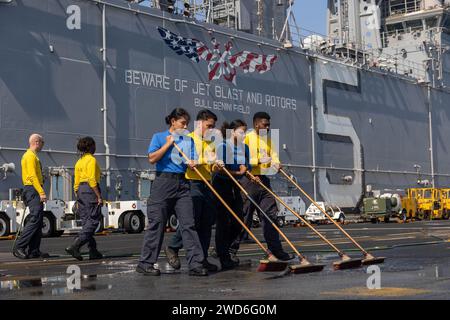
[(427, 203), (444, 195), (409, 204)]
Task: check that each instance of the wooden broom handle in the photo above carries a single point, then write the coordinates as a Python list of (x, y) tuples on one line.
[(223, 201), (298, 216), (273, 224), (323, 211)]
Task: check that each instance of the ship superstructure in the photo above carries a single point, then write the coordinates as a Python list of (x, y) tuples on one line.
[(366, 104)]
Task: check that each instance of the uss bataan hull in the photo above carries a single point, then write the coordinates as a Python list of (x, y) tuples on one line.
[(341, 128)]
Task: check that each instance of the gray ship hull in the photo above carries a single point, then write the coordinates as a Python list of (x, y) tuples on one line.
[(341, 128)]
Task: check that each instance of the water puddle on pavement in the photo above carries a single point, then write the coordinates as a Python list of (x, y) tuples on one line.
[(323, 258), (121, 265), (222, 290), (402, 267), (51, 286), (165, 268)]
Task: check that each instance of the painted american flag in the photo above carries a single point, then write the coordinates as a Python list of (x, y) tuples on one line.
[(220, 64)]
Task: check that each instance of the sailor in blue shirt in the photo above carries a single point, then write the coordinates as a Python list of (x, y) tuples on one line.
[(171, 161), (171, 192), (260, 151), (234, 155)]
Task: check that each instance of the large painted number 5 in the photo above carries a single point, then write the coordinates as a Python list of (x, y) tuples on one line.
[(346, 78)]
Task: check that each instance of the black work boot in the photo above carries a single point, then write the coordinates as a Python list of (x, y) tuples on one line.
[(74, 249), (209, 266), (39, 254), (213, 253), (148, 271), (233, 256), (228, 264), (172, 258), (94, 254), (20, 253), (198, 272)]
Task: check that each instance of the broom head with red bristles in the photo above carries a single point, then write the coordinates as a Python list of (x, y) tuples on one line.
[(370, 259), (271, 264), (305, 267), (347, 263)]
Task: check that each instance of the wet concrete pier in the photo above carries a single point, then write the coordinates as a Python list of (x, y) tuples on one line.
[(417, 267)]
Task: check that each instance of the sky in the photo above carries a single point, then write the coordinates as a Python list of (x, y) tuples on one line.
[(311, 15)]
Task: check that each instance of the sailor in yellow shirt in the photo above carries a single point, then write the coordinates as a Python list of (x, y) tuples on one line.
[(264, 161), (28, 245), (89, 199), (87, 171), (203, 199)]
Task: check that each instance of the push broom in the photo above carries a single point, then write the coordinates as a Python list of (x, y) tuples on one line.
[(271, 264), (368, 258), (345, 263), (305, 266)]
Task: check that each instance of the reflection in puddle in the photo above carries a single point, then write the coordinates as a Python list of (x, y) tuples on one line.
[(55, 286), (246, 264), (119, 265), (91, 287), (61, 291), (223, 290), (326, 257), (402, 268)]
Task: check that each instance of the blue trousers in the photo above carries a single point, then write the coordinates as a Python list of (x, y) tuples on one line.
[(204, 216), (170, 193), (267, 203), (32, 232), (227, 227), (90, 214)]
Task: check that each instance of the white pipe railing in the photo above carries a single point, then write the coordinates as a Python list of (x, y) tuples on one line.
[(76, 153), (104, 108)]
